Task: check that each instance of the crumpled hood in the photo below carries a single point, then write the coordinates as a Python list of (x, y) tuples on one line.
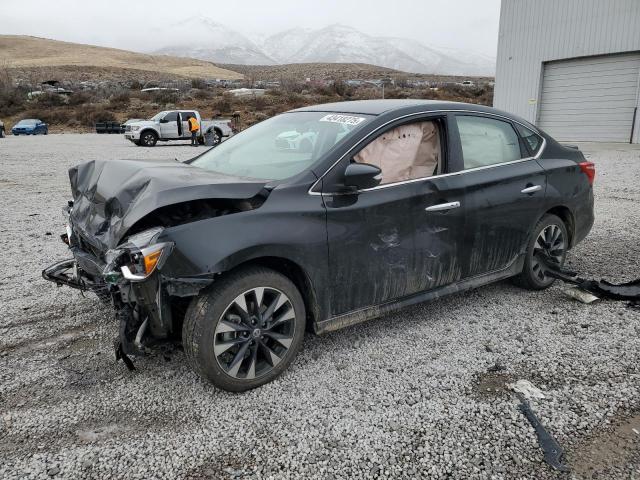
[(110, 196)]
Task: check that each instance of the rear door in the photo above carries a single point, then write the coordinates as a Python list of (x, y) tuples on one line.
[(185, 123), (504, 192)]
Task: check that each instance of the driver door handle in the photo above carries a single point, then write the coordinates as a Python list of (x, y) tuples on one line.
[(531, 189), (442, 206)]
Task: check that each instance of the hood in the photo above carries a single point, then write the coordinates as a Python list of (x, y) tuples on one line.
[(110, 196), (142, 123)]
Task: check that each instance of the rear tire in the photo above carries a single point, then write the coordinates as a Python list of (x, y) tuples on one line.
[(549, 237), (245, 330)]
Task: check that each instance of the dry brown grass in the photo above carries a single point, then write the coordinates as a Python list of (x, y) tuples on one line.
[(29, 52)]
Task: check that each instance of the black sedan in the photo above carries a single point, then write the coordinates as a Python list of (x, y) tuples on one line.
[(238, 251)]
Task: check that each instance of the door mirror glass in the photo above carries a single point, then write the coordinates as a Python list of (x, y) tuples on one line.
[(164, 120), (362, 175)]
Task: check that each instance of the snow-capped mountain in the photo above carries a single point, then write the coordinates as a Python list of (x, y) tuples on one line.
[(205, 39)]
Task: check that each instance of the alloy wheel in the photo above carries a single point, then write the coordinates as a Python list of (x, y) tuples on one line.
[(550, 246), (254, 333), (148, 139)]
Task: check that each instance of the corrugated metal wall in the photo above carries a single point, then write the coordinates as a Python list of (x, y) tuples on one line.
[(536, 31)]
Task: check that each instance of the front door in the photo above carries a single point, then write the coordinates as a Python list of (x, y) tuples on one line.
[(372, 233), (169, 126)]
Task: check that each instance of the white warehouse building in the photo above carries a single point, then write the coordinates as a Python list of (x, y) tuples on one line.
[(572, 67)]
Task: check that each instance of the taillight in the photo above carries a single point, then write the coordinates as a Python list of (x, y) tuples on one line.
[(589, 169)]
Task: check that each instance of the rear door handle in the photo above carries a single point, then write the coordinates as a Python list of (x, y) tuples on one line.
[(531, 189), (442, 206)]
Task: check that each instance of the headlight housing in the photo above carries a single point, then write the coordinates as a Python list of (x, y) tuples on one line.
[(135, 128), (138, 257)]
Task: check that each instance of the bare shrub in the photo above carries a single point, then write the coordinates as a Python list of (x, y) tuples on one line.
[(164, 97), (120, 100), (79, 98), (198, 83), (50, 100)]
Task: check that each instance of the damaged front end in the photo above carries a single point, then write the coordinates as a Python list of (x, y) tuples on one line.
[(129, 277), (118, 231)]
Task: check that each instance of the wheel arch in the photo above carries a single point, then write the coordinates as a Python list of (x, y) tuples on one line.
[(294, 272), (566, 215), (150, 129)]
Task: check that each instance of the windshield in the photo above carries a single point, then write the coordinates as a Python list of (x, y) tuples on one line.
[(281, 146), (158, 116), (28, 122)]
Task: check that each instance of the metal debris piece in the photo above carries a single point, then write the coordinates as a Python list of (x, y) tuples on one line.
[(553, 452), (120, 355), (580, 295)]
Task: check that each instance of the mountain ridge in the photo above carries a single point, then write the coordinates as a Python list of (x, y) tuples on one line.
[(208, 40)]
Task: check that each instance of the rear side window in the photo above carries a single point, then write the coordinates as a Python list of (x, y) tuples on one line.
[(487, 141), (531, 139), (186, 115)]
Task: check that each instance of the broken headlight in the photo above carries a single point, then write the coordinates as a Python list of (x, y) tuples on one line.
[(137, 258)]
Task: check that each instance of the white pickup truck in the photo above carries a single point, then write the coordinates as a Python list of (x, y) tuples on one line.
[(174, 125)]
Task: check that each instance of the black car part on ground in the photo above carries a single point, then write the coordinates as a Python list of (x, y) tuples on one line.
[(553, 452), (629, 291)]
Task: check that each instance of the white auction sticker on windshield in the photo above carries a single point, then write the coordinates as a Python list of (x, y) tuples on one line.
[(344, 119)]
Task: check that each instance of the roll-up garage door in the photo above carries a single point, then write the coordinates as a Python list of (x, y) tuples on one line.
[(591, 98)]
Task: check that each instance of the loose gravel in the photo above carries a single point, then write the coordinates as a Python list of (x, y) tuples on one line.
[(416, 394)]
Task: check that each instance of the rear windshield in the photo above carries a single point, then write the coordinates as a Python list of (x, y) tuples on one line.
[(281, 146)]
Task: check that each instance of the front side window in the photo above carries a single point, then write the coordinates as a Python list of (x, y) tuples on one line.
[(487, 141), (532, 139), (406, 152), (171, 117), (282, 146)]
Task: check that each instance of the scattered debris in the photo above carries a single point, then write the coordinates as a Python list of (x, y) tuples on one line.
[(580, 295), (120, 355), (601, 289), (553, 452), (527, 389)]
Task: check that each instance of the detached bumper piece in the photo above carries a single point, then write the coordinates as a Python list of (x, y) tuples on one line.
[(629, 291), (67, 273)]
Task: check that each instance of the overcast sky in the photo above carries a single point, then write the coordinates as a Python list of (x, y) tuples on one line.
[(466, 24)]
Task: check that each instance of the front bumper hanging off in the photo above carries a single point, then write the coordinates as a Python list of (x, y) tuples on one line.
[(67, 273)]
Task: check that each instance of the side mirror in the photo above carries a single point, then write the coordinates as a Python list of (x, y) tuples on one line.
[(360, 176), (162, 120)]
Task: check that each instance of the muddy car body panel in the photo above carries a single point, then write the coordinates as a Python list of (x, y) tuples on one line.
[(156, 235)]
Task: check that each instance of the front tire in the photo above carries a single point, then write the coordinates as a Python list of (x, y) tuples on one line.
[(245, 330), (549, 239), (148, 139)]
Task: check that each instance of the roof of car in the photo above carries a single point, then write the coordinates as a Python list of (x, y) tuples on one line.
[(378, 107)]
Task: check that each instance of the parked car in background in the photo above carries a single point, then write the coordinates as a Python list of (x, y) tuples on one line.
[(30, 126), (174, 125), (240, 250)]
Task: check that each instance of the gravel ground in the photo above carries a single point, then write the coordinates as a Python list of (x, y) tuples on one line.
[(412, 394)]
